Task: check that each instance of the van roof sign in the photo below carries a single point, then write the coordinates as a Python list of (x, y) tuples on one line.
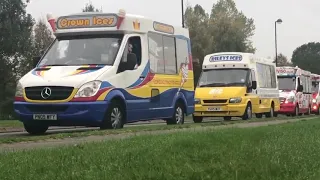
[(226, 57), (87, 21), (161, 27)]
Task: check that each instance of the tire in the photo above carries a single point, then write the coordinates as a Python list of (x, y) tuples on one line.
[(178, 115), (275, 114), (259, 115), (318, 112), (270, 114), (309, 111), (227, 118), (197, 119), (35, 128), (296, 111), (248, 112), (114, 117)]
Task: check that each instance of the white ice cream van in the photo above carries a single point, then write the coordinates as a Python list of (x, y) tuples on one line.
[(105, 70)]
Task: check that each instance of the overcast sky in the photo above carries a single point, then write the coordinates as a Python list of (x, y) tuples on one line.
[(300, 18)]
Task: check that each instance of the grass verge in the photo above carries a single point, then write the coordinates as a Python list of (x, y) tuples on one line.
[(282, 152), (136, 129), (10, 124)]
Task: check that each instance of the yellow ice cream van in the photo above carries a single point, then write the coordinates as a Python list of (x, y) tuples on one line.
[(235, 84)]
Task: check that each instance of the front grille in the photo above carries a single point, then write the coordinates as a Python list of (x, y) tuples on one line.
[(215, 101), (47, 108), (57, 92)]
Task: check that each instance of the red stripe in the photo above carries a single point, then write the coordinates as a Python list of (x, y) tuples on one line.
[(20, 99)]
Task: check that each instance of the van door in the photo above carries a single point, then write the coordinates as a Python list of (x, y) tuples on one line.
[(166, 82), (138, 91)]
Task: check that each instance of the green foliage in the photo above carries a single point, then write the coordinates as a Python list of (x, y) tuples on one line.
[(282, 60), (224, 30), (15, 43), (90, 8), (307, 57)]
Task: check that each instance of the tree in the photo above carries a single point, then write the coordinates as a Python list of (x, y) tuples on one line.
[(42, 37), (15, 32), (90, 8), (307, 57), (225, 30), (230, 29), (282, 60)]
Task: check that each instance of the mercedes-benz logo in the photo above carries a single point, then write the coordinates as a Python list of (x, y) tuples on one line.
[(46, 93)]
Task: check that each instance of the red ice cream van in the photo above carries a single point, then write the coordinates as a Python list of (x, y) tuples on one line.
[(295, 91), (315, 78)]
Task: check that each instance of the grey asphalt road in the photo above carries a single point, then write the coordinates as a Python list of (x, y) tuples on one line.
[(54, 130)]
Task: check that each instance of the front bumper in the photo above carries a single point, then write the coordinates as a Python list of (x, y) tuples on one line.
[(68, 114), (232, 110), (286, 108)]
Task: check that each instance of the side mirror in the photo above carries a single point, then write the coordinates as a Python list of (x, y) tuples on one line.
[(35, 60), (131, 61), (300, 88), (254, 84)]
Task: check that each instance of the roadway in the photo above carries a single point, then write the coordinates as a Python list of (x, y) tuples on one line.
[(55, 130)]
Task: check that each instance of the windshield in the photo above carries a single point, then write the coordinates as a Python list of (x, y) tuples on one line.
[(83, 50), (315, 86), (287, 83), (223, 77)]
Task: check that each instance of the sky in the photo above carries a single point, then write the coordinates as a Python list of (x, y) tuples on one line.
[(298, 17)]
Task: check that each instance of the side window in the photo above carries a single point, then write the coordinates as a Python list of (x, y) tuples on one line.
[(156, 53), (169, 55), (162, 54), (182, 52), (133, 46)]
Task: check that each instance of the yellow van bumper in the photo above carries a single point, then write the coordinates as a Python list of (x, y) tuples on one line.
[(232, 110)]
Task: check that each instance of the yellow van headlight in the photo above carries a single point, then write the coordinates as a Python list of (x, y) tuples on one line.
[(235, 100), (197, 101)]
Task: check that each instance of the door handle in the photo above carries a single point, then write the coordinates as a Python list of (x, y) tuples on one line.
[(142, 77)]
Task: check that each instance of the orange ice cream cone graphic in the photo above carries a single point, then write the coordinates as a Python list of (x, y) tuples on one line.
[(184, 73), (52, 22), (121, 16)]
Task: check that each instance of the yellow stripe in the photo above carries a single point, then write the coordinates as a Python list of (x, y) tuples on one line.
[(103, 95), (75, 90)]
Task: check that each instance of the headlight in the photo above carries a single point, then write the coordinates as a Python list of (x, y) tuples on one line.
[(235, 100), (290, 99), (89, 89), (197, 101), (314, 100), (19, 90)]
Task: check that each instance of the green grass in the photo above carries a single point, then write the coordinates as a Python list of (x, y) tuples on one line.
[(283, 152), (136, 129), (10, 124)]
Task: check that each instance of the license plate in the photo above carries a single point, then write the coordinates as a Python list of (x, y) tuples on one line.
[(45, 117), (214, 109)]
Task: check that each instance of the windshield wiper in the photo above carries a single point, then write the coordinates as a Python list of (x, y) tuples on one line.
[(57, 65), (212, 85), (221, 84)]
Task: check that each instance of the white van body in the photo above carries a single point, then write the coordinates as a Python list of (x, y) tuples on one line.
[(87, 76)]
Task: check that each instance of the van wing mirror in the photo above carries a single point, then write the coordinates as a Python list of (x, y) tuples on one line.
[(35, 60), (254, 84)]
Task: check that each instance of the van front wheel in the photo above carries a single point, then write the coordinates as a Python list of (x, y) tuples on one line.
[(35, 128), (114, 117), (197, 119), (248, 112)]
